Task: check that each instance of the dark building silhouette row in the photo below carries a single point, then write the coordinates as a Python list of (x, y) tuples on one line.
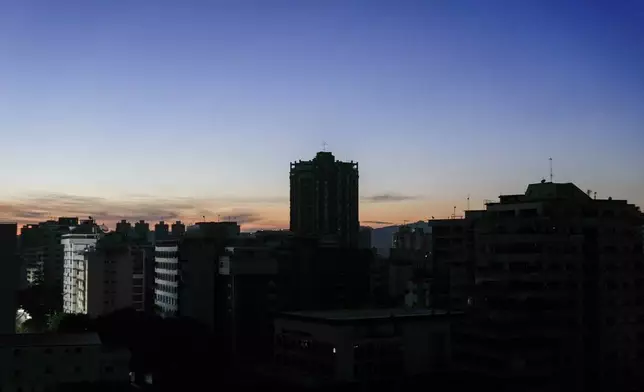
[(542, 289), (551, 282)]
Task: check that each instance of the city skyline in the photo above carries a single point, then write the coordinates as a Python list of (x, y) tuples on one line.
[(162, 111)]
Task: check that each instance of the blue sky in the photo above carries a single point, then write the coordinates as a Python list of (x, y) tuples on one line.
[(197, 107)]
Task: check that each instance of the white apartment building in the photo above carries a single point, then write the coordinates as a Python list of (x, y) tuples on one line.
[(104, 277), (75, 271), (44, 362), (166, 277)]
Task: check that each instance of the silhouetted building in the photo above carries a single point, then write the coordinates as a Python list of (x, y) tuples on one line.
[(161, 231), (316, 277), (452, 260), (186, 268), (324, 198), (124, 227), (367, 345), (40, 244), (32, 266), (364, 237), (559, 283), (246, 296), (9, 276), (412, 245), (178, 229), (142, 231), (53, 362), (273, 271)]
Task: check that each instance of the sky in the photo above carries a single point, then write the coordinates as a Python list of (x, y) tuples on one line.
[(182, 109)]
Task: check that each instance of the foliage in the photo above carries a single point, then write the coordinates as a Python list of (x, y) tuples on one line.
[(29, 326), (69, 323), (53, 320), (40, 302)]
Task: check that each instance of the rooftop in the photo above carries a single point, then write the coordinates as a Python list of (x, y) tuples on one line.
[(350, 315), (49, 339)]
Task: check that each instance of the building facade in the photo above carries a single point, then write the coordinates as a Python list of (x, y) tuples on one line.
[(75, 273), (324, 199), (558, 296), (9, 277), (186, 269), (41, 243), (361, 345), (166, 277), (46, 362)]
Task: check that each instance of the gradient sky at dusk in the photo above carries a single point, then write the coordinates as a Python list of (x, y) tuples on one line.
[(177, 109)]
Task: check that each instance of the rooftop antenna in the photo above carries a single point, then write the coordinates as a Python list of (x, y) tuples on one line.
[(550, 159), (595, 194), (468, 202), (454, 214), (204, 217)]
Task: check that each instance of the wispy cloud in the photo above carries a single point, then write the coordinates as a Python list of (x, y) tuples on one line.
[(378, 222), (388, 197), (39, 207)]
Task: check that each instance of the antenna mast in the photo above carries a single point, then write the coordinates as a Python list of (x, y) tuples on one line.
[(550, 159), (468, 202)]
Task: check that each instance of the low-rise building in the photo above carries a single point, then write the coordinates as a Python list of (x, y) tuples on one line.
[(44, 362), (345, 346)]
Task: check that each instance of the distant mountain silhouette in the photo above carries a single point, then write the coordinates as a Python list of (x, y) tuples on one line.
[(381, 238)]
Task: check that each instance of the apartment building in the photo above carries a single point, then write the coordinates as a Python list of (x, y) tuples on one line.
[(185, 270), (452, 256), (558, 295), (324, 199), (166, 277), (75, 273)]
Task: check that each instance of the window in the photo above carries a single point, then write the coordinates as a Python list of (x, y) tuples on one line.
[(109, 369), (48, 370), (48, 351), (78, 350), (17, 352)]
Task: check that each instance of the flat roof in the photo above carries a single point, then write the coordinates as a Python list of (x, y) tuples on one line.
[(49, 339), (357, 315)]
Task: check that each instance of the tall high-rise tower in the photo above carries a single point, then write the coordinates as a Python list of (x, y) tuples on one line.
[(324, 198)]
